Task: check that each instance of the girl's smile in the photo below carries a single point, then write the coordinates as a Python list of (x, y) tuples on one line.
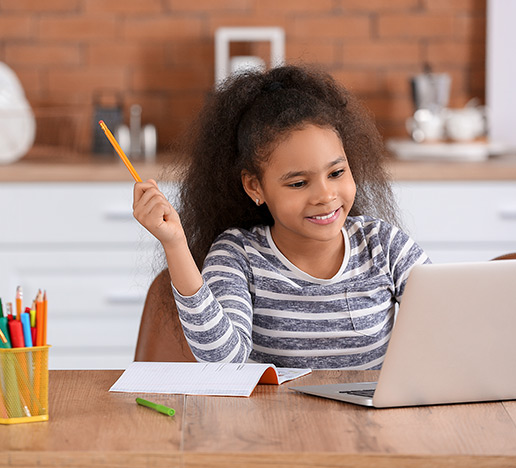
[(325, 219)]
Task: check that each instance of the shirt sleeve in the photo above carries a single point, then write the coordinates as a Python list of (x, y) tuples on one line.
[(217, 320), (402, 254)]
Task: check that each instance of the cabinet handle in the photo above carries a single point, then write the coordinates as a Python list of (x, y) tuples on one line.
[(507, 212), (125, 298), (118, 214)]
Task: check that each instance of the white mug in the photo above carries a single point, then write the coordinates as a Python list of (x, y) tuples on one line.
[(465, 124)]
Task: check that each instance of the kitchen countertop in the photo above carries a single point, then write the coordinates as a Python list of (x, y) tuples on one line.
[(84, 168), (498, 168), (96, 169)]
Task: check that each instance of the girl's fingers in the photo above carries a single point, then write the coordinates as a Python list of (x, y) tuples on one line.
[(154, 212), (145, 191), (140, 188), (152, 195), (144, 209), (158, 213)]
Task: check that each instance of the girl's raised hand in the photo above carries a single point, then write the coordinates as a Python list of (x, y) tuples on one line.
[(154, 212)]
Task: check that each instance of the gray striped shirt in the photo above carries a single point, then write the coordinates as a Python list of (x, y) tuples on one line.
[(255, 305)]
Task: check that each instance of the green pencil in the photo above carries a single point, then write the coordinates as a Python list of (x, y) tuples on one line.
[(160, 408)]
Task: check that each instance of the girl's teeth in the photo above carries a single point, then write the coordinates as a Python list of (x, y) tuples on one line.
[(324, 217)]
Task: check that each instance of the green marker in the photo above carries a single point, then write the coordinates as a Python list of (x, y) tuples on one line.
[(4, 327), (161, 408)]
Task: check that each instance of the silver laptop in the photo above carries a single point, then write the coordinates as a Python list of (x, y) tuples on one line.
[(454, 340)]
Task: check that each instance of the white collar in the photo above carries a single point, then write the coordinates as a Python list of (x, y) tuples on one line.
[(300, 273)]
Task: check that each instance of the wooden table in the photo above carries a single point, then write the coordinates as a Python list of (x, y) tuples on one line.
[(275, 427)]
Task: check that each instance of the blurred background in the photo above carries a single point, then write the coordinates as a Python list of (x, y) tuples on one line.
[(160, 53)]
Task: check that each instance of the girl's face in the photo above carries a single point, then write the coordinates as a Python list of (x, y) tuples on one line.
[(307, 186)]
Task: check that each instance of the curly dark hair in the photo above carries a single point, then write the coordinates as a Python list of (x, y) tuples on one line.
[(238, 127)]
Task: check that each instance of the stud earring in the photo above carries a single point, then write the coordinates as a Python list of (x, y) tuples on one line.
[(257, 202)]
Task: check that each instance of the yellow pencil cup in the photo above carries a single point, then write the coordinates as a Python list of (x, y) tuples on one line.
[(24, 385)]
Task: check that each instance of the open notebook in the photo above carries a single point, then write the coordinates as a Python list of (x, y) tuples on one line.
[(195, 378)]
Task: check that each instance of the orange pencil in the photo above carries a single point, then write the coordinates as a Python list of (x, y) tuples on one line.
[(19, 300), (115, 144), (39, 319)]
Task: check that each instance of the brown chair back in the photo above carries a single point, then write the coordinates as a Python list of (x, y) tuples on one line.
[(161, 337), (509, 256)]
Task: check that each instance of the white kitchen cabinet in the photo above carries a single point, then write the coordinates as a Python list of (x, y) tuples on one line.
[(460, 221), (80, 242)]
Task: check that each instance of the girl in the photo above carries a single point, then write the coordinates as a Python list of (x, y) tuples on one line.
[(284, 203)]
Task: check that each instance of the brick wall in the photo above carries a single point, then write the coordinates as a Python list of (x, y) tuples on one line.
[(160, 53)]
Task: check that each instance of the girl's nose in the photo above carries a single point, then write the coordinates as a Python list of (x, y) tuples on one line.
[(324, 193)]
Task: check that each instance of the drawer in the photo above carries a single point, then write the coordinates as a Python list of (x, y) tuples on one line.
[(465, 212), (94, 332), (70, 213)]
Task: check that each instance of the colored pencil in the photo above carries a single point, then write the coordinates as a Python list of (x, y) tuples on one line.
[(3, 337), (19, 301), (39, 319), (115, 144), (45, 309), (4, 326)]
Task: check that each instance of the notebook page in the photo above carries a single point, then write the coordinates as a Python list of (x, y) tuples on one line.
[(190, 378), (285, 373)]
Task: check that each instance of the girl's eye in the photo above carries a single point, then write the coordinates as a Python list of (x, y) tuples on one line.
[(338, 173), (297, 184)]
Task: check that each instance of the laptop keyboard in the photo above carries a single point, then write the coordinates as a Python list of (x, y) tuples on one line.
[(362, 393)]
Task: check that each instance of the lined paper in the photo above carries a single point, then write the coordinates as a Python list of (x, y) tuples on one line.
[(195, 378)]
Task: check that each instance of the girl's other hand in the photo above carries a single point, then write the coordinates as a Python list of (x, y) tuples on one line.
[(154, 212)]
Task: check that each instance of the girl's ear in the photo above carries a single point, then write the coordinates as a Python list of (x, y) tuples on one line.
[(252, 186)]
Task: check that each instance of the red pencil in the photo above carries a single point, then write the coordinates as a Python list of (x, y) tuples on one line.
[(39, 319), (10, 311)]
